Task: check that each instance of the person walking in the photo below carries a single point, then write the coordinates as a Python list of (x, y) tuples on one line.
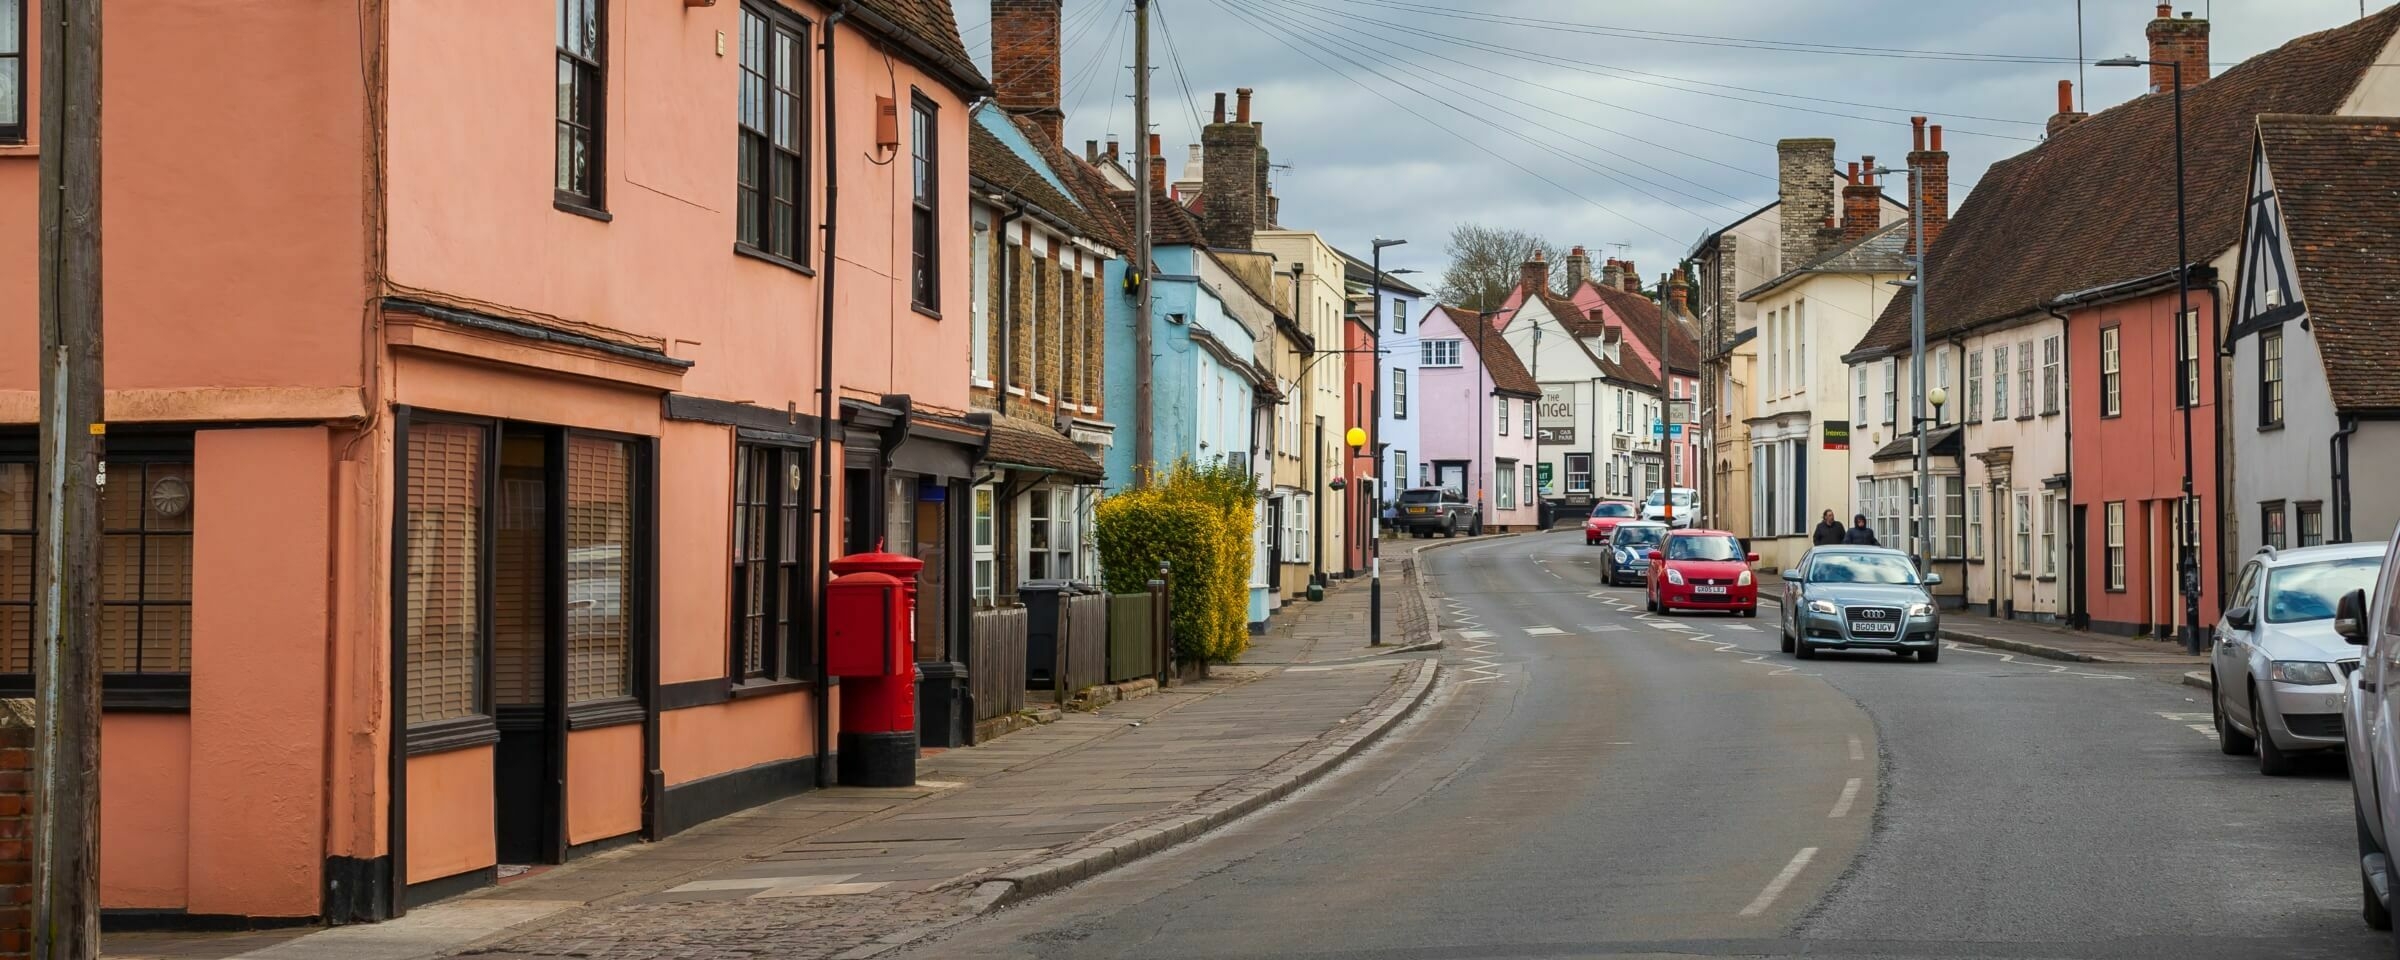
[(1829, 532), (1860, 534)]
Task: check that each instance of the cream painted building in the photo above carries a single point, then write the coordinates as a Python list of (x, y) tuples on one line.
[(1319, 302)]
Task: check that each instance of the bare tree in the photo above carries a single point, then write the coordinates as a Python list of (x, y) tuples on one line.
[(1485, 262)]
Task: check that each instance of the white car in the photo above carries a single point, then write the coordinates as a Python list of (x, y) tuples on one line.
[(2277, 665), (2367, 618), (1687, 503)]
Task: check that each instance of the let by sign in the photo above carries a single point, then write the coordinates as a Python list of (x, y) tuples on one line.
[(1837, 434)]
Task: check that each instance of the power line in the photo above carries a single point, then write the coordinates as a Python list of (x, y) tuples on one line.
[(1228, 6), (1469, 87), (1190, 101), (1715, 40), (1648, 78), (1083, 84)]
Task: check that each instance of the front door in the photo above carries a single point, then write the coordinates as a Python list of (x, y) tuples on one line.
[(2078, 568), (1451, 475), (528, 687), (1275, 546), (2003, 538)]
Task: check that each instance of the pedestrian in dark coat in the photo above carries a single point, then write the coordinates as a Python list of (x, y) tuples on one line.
[(1860, 534), (1829, 532)]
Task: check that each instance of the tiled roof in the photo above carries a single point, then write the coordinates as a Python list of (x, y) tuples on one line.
[(1086, 183), (1018, 443), (1884, 251), (932, 25), (2337, 181), (1170, 224), (1501, 361), (1641, 317), (991, 160), (2095, 204)]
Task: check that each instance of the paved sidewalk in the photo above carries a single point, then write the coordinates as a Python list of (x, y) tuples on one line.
[(852, 871), (1336, 628)]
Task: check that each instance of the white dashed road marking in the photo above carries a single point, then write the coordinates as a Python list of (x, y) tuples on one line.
[(1791, 871), (1858, 751), (1544, 632), (1841, 807), (2205, 723)]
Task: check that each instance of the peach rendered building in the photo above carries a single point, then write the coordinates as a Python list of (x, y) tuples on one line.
[(470, 472)]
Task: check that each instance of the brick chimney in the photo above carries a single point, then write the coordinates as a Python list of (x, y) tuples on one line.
[(1633, 277), (1265, 209), (1535, 276), (1229, 168), (2183, 41), (1025, 63), (1932, 165), (1158, 168), (1804, 176), (1679, 294), (1612, 274), (2067, 115), (1579, 269), (1862, 203)]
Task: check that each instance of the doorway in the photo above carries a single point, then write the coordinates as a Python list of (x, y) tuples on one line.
[(529, 764), (2078, 569), (1451, 475), (2001, 541)]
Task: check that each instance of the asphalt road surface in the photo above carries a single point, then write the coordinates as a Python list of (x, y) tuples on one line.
[(1590, 781)]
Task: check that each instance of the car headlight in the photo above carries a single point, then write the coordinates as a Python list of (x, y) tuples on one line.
[(1920, 609), (1823, 606), (1675, 576), (1622, 556), (2304, 672), (1743, 580)]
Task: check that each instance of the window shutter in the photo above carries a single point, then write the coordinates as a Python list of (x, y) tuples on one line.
[(444, 526), (600, 555)]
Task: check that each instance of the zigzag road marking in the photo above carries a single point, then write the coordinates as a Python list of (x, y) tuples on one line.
[(1482, 665), (2208, 728), (2051, 667)]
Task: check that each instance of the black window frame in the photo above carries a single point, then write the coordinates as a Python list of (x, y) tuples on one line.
[(786, 654), (14, 133), (121, 691), (2274, 524), (2271, 388), (758, 201), (590, 112), (2307, 514), (925, 190)]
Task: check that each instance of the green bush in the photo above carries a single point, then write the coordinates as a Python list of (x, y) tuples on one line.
[(1197, 519)]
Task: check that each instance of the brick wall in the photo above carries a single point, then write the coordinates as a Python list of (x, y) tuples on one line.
[(16, 827), (1229, 178), (1025, 61)]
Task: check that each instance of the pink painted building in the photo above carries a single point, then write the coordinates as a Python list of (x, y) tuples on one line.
[(470, 421), (1476, 402)]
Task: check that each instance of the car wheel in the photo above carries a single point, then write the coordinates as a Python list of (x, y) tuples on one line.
[(1649, 601), (2230, 742), (2272, 761), (1751, 611), (2377, 914), (1930, 654), (1784, 633), (1803, 649)]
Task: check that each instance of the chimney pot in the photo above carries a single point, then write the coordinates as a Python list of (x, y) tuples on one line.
[(1929, 189), (1091, 150), (1916, 129), (2066, 96), (1220, 106), (1242, 100), (1113, 148), (1154, 147), (1937, 138), (2166, 10), (1633, 278)]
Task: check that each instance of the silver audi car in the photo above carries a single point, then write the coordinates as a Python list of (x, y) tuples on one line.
[(2277, 666), (1860, 598)]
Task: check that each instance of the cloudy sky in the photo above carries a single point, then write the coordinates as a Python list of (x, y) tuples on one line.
[(1604, 123)]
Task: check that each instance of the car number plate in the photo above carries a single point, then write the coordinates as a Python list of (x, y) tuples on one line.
[(1416, 509), (1709, 590), (1886, 629)]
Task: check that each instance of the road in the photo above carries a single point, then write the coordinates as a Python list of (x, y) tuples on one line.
[(1594, 782)]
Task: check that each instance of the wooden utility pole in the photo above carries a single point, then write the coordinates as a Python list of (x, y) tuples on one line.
[(66, 807), (1144, 452)]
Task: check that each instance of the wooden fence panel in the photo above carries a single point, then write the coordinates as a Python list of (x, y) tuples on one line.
[(1132, 643), (1082, 643), (997, 670)]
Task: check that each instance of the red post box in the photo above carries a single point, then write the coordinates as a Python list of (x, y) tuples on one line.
[(870, 642)]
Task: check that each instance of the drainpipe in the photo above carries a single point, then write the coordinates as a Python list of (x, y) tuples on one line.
[(825, 419), (2079, 618), (2341, 477)]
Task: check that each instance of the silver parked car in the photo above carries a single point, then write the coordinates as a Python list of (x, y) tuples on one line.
[(1860, 598), (2277, 665)]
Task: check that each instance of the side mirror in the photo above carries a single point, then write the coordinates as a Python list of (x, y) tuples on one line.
[(2350, 617), (1933, 579), (1753, 558), (2241, 618), (1656, 556), (1793, 576)]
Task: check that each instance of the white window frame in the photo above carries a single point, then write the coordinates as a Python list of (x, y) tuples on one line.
[(1800, 346), (1529, 405), (1297, 520), (2050, 537), (2025, 380), (1941, 379), (1505, 482), (1440, 353), (1399, 393), (2114, 551), (1574, 485), (2024, 528), (1891, 390), (2112, 371), (1501, 427), (2052, 348), (983, 516), (1860, 373), (2000, 382), (1974, 386), (1975, 523)]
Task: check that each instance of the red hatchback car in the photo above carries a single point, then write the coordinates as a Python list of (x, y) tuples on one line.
[(1702, 570), (1604, 519)]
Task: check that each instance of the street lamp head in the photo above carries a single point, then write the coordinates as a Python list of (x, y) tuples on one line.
[(2128, 60), (1380, 244), (1401, 270), (1938, 397)]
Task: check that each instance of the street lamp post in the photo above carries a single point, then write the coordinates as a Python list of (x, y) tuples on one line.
[(1375, 446), (2188, 389), (1916, 346)]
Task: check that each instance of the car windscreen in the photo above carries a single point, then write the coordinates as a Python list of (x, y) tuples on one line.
[(1637, 536), (1703, 548), (1420, 496), (2309, 591), (1612, 510), (1683, 498), (1861, 568)]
